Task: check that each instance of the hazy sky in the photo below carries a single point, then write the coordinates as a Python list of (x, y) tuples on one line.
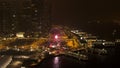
[(83, 10)]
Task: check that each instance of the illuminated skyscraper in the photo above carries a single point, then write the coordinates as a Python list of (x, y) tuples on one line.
[(24, 15)]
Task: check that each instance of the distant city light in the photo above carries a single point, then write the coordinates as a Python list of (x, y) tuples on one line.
[(36, 10), (14, 15), (81, 38), (20, 34), (56, 36), (103, 43), (53, 46)]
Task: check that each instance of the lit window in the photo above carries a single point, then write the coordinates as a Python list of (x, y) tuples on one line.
[(14, 15), (36, 10), (13, 24)]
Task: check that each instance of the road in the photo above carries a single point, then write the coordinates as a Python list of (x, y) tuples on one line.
[(5, 61)]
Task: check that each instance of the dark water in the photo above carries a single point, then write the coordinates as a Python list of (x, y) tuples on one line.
[(60, 62), (112, 60)]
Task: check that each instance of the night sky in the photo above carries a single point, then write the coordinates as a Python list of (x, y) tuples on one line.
[(100, 17), (82, 10)]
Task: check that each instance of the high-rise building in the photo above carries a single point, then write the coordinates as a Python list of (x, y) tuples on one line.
[(24, 16)]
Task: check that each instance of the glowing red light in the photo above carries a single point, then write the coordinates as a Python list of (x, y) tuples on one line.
[(56, 36)]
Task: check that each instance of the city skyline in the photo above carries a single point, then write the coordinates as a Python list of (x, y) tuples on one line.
[(24, 15), (59, 33), (90, 16)]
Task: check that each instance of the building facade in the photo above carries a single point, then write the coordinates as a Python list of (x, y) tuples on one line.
[(24, 16)]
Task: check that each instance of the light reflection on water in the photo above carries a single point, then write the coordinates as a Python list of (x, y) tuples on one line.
[(56, 62), (95, 61)]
